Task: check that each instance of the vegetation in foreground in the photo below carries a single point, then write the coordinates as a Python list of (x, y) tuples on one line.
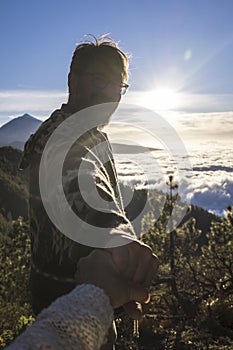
[(191, 299)]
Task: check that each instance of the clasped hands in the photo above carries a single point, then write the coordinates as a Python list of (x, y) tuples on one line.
[(125, 273)]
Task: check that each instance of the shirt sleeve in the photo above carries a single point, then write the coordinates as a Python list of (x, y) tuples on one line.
[(79, 320), (79, 190)]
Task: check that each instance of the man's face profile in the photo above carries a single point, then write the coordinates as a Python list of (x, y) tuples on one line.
[(99, 83)]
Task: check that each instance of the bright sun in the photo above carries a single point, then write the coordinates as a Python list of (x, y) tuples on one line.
[(161, 99)]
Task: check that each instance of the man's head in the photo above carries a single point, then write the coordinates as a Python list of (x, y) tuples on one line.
[(98, 73)]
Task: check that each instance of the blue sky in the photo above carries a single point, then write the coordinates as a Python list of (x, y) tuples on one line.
[(181, 49)]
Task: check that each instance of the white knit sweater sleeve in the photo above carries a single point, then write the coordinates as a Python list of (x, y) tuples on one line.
[(79, 320)]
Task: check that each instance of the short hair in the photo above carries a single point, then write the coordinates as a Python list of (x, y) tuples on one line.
[(102, 48)]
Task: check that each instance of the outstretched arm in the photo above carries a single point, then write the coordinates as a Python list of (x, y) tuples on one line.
[(81, 319)]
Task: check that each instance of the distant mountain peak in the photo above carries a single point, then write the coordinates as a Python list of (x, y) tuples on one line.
[(17, 130), (25, 118), (26, 115)]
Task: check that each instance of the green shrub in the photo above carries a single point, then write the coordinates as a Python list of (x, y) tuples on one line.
[(15, 309)]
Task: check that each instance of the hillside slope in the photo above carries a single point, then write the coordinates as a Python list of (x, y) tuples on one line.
[(13, 184)]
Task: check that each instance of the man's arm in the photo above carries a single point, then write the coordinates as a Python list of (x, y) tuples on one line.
[(81, 319)]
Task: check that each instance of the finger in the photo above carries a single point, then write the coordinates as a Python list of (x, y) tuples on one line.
[(126, 258), (139, 255), (152, 271), (133, 310), (144, 264), (120, 257), (137, 293)]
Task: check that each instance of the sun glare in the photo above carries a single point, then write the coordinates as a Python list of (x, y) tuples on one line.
[(161, 99)]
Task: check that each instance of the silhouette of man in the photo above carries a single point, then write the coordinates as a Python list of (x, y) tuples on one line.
[(98, 74)]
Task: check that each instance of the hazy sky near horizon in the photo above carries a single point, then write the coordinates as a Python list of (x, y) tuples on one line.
[(181, 64)]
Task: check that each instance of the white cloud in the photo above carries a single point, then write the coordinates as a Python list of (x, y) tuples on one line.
[(38, 103), (200, 116), (215, 193), (211, 126), (191, 127), (186, 102)]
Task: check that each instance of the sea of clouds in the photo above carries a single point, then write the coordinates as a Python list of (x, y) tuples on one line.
[(207, 182)]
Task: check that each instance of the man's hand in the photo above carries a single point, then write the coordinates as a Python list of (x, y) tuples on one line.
[(137, 263), (98, 269)]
